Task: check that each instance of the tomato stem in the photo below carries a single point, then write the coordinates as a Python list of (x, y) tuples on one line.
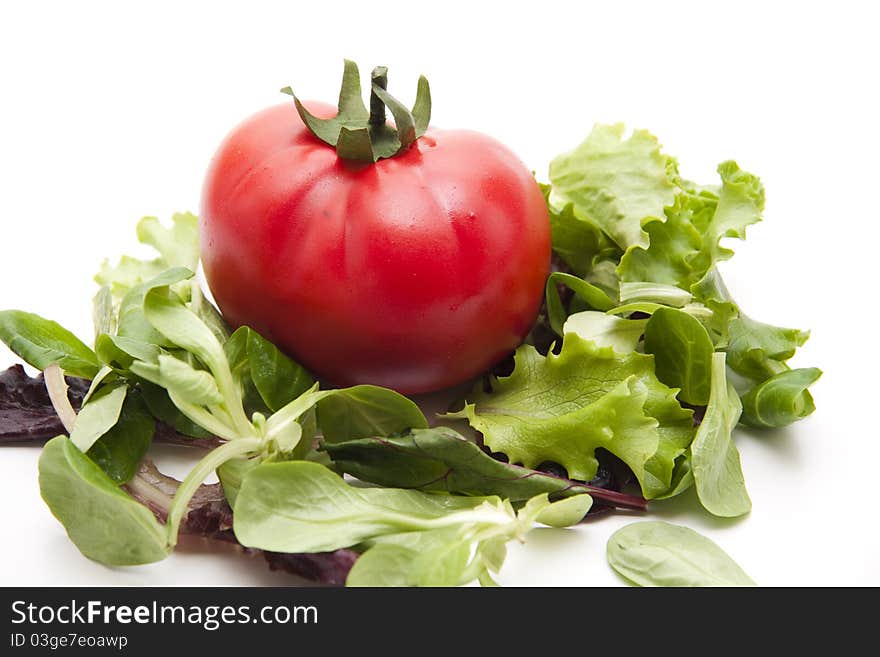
[(363, 135), (379, 77)]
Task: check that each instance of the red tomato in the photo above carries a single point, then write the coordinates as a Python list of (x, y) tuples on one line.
[(416, 272)]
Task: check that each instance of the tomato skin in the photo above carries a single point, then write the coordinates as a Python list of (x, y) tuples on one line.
[(417, 272)]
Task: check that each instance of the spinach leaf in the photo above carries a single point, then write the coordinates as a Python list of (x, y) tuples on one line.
[(780, 400), (101, 520), (715, 460), (682, 351), (98, 416), (654, 553), (120, 450), (365, 411), (441, 459), (276, 378), (41, 342)]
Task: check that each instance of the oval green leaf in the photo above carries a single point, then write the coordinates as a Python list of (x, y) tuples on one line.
[(682, 352), (102, 521), (40, 342), (661, 554)]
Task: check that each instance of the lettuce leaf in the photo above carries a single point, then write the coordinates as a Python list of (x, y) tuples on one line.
[(562, 408), (615, 183), (685, 244)]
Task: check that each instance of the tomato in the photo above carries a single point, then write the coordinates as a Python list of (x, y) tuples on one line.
[(415, 272)]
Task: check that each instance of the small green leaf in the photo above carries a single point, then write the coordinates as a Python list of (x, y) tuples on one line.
[(622, 335), (168, 315), (105, 524), (780, 400), (566, 512), (98, 416), (365, 411), (120, 450), (385, 564), (120, 352), (276, 378), (682, 351), (668, 295), (757, 350), (162, 408), (590, 294), (712, 292), (654, 553), (103, 312), (132, 323), (182, 379), (232, 473), (715, 460), (41, 342), (443, 564)]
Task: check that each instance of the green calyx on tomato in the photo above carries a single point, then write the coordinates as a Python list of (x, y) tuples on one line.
[(365, 136)]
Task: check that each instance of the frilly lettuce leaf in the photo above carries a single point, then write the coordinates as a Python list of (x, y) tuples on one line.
[(177, 246), (563, 407), (615, 183), (581, 244), (673, 244), (685, 245)]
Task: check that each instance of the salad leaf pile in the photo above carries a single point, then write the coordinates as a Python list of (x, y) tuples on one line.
[(628, 390), (652, 359)]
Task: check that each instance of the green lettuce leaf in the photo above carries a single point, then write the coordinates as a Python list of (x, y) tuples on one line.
[(561, 408), (616, 183), (177, 246), (780, 400), (715, 459), (758, 351), (579, 242), (685, 244)]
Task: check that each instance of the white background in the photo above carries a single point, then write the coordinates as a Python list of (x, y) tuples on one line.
[(109, 112)]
